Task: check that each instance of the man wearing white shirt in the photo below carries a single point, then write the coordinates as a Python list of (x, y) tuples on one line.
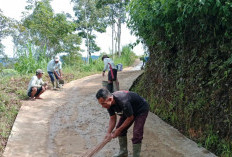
[(36, 86), (54, 68), (112, 72)]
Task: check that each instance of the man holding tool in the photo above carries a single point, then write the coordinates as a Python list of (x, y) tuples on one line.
[(131, 108), (54, 68), (112, 74)]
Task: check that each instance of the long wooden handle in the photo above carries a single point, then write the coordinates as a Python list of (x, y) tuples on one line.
[(96, 149)]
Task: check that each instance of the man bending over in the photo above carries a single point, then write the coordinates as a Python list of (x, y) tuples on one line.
[(131, 108)]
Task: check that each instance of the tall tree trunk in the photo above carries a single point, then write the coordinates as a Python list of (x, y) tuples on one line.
[(112, 39), (119, 28), (89, 45), (119, 37), (116, 42), (87, 38), (112, 20)]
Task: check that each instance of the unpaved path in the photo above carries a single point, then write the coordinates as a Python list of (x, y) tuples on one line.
[(69, 122)]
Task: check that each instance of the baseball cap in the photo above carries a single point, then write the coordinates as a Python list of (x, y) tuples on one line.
[(39, 71), (57, 58)]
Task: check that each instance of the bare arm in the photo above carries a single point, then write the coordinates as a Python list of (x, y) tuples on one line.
[(111, 127), (112, 123), (60, 71), (56, 74), (105, 65), (126, 123)]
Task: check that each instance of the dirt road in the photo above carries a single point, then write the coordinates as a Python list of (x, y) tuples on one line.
[(69, 122)]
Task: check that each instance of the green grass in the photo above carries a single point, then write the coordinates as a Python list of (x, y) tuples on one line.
[(9, 106)]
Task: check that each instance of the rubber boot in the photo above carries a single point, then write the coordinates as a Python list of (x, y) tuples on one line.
[(115, 86), (136, 149), (53, 85), (57, 84), (123, 152), (110, 87)]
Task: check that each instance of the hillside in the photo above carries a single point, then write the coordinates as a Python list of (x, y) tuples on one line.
[(188, 76)]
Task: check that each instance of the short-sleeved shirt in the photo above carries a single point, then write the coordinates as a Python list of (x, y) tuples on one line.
[(35, 82), (128, 104), (53, 66)]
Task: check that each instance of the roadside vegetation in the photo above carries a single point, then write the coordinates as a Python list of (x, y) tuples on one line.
[(187, 79)]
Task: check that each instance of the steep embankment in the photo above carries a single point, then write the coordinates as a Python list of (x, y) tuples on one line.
[(188, 76)]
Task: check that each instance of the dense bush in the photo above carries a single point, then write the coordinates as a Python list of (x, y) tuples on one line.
[(127, 58), (188, 77), (29, 60)]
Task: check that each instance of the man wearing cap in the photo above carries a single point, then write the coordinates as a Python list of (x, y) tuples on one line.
[(36, 86), (54, 68)]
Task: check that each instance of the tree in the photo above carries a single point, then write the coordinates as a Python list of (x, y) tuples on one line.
[(6, 28), (117, 15), (43, 28), (89, 19)]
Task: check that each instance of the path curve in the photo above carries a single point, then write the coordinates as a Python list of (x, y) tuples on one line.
[(69, 122)]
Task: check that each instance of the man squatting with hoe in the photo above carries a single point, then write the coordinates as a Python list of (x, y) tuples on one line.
[(131, 108), (36, 86)]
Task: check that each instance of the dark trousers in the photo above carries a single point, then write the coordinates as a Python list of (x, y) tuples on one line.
[(51, 75), (36, 94), (115, 71), (139, 122)]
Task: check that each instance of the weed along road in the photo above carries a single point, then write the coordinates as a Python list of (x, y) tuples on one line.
[(69, 122)]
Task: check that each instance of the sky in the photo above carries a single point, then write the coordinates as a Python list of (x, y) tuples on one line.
[(103, 40)]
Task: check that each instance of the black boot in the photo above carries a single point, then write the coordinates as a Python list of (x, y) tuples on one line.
[(110, 87)]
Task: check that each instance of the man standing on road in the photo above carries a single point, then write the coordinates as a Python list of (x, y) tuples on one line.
[(112, 74), (36, 86), (131, 108), (54, 68)]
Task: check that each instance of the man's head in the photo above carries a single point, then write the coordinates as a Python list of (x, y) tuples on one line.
[(104, 56), (39, 73), (57, 59), (105, 98)]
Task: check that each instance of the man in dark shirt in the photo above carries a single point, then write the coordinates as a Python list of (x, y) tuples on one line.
[(131, 108)]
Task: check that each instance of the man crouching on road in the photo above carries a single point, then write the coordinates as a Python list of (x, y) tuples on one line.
[(36, 86), (132, 108)]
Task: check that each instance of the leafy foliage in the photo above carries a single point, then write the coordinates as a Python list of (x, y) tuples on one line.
[(89, 19), (6, 28), (190, 66), (44, 28), (127, 58), (28, 62), (116, 15)]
